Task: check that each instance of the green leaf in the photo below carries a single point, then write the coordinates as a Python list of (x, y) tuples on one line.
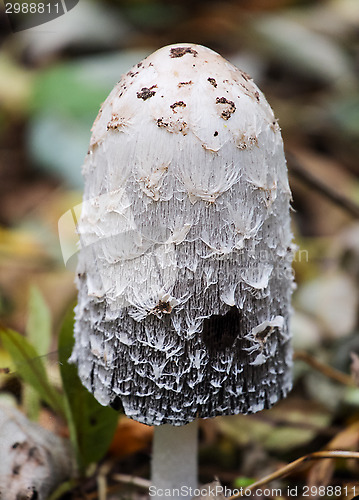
[(242, 482), (65, 487), (38, 328), (91, 425), (31, 369)]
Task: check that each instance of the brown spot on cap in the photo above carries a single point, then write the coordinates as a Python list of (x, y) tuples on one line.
[(161, 123), (16, 470), (246, 76), (181, 51), (177, 104), (212, 81), (162, 307), (146, 93), (231, 107), (262, 336), (182, 84)]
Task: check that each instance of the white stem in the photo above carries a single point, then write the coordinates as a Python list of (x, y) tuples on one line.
[(174, 461)]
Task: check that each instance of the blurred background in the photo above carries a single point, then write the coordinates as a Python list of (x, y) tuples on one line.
[(304, 55)]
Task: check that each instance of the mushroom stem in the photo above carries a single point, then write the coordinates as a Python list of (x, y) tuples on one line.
[(174, 460)]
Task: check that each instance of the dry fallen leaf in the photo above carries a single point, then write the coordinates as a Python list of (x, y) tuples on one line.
[(321, 473), (130, 437)]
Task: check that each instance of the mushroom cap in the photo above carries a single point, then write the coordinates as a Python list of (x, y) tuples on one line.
[(184, 271)]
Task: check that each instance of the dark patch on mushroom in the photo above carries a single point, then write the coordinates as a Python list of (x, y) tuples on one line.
[(212, 81), (267, 403), (139, 64), (35, 454), (161, 123), (132, 73), (15, 445), (34, 495), (92, 378), (182, 84), (183, 128), (226, 113), (181, 51), (220, 331), (146, 93), (215, 134), (246, 76), (256, 95), (162, 307), (223, 100), (116, 404), (177, 104), (263, 335), (16, 470)]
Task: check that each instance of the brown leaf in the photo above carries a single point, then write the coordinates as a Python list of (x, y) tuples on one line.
[(321, 473), (130, 437)]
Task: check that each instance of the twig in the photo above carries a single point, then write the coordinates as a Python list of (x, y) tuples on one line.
[(132, 480), (297, 169), (123, 479), (326, 370), (102, 480), (284, 471)]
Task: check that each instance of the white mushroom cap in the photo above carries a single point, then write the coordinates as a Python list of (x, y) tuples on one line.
[(185, 267)]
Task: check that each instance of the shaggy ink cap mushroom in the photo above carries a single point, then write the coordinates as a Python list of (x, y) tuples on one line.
[(184, 273)]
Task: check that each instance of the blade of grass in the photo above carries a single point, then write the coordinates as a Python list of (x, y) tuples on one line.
[(31, 369), (38, 332)]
